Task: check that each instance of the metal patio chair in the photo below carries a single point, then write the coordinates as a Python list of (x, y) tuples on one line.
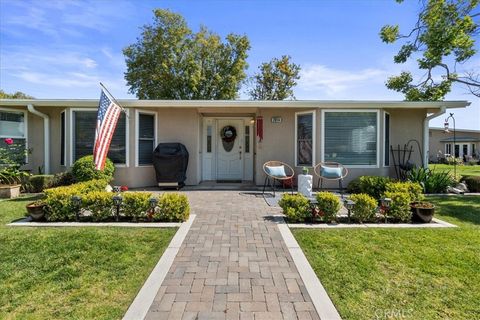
[(273, 172), (330, 171)]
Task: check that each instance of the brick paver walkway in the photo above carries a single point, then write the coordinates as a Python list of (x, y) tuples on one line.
[(233, 264)]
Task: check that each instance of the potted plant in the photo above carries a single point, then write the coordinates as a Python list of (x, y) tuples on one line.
[(305, 170), (35, 210), (422, 211)]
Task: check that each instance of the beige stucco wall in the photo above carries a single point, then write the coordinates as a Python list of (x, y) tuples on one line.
[(184, 125)]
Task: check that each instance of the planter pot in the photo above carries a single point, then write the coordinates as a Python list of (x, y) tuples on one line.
[(36, 212), (9, 191), (422, 215)]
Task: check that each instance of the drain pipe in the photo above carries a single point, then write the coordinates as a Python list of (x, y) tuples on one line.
[(426, 136), (46, 136)]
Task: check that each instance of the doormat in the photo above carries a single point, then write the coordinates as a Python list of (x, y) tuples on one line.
[(229, 181)]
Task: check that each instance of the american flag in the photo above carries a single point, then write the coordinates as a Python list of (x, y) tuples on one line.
[(108, 114)]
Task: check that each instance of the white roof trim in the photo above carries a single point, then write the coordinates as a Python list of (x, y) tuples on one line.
[(239, 103), (456, 130)]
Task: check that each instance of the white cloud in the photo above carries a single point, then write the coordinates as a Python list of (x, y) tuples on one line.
[(333, 81)]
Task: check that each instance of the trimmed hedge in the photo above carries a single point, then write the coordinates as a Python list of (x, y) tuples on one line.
[(472, 182), (84, 170), (136, 205), (365, 207), (374, 186), (37, 183), (295, 206), (328, 205), (400, 206), (172, 207), (413, 189)]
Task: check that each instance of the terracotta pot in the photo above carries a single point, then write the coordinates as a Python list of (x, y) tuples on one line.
[(422, 215), (36, 211), (9, 190)]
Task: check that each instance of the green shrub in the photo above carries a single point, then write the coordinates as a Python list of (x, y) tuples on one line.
[(172, 207), (37, 183), (400, 206), (62, 179), (431, 181), (99, 203), (58, 200), (472, 182), (328, 204), (296, 207), (84, 170), (136, 204), (365, 207), (372, 185), (413, 189)]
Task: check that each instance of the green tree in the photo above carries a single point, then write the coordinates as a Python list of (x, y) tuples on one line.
[(16, 95), (169, 61), (443, 38), (276, 80)]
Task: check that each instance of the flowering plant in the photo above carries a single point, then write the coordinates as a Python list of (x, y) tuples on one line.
[(123, 188), (12, 157)]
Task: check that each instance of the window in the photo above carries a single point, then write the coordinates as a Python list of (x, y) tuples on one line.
[(448, 149), (247, 139), (146, 138), (304, 139), (84, 123), (13, 125), (474, 150), (209, 138), (386, 161), (62, 138), (351, 137), (457, 150)]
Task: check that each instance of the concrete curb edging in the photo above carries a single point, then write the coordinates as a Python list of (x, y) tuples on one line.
[(27, 223), (142, 302), (436, 223), (323, 304)]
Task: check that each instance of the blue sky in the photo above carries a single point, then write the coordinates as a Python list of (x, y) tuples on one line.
[(63, 49)]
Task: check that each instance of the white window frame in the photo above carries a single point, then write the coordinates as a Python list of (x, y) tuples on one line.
[(127, 134), (137, 133), (25, 124), (314, 134), (64, 137), (446, 148), (384, 137), (377, 111)]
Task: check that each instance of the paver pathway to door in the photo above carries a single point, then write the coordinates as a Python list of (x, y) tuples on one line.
[(233, 264)]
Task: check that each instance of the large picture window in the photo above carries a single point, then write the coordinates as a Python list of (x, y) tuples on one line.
[(386, 151), (305, 139), (13, 125), (84, 124), (145, 137), (351, 137)]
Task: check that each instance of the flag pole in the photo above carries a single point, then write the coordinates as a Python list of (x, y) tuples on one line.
[(115, 100)]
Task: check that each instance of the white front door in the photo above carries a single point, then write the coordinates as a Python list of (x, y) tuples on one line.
[(230, 157)]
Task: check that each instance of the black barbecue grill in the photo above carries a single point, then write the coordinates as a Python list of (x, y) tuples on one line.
[(170, 161)]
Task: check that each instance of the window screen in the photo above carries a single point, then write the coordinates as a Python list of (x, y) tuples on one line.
[(84, 123), (351, 137), (146, 138)]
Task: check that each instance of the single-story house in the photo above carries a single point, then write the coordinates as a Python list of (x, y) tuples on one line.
[(467, 143), (301, 133)]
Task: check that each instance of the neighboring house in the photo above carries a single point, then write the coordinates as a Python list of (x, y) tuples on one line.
[(467, 143), (302, 133)]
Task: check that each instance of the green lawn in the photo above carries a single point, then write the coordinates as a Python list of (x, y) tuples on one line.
[(461, 169), (72, 273), (402, 273)]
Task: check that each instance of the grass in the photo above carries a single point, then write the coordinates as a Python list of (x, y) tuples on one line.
[(402, 273), (72, 273), (462, 170)]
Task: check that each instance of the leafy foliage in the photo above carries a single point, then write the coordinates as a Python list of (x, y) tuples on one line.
[(431, 181), (400, 206), (84, 170), (276, 80), (37, 183), (16, 95), (296, 207), (172, 207), (473, 183), (365, 207), (99, 204), (413, 189), (169, 61), (372, 185), (329, 205), (136, 204), (444, 34)]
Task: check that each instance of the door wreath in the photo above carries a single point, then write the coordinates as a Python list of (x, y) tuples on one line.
[(228, 135)]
